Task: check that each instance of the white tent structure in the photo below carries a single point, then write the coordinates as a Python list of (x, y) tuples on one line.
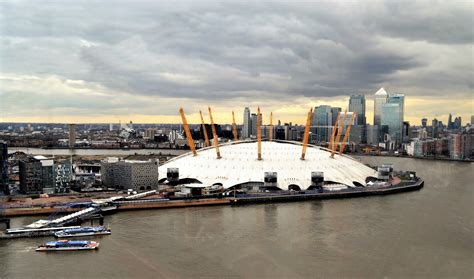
[(239, 165)]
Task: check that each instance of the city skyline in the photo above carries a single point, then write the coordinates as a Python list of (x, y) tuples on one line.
[(295, 114), (142, 61)]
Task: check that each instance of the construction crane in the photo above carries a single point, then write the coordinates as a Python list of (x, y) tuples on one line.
[(206, 138), (306, 133), (214, 135), (271, 127), (188, 132), (259, 134), (339, 132), (333, 134), (234, 128), (346, 136)]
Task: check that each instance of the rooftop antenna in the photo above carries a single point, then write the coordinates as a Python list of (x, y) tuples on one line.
[(206, 138), (339, 132), (306, 133), (214, 135), (346, 136), (188, 132)]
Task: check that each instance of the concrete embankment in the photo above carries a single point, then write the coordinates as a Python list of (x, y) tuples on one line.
[(14, 212), (28, 211), (252, 198), (174, 204)]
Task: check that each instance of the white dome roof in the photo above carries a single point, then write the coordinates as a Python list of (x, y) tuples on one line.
[(239, 165)]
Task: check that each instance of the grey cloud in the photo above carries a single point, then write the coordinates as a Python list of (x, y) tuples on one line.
[(215, 51)]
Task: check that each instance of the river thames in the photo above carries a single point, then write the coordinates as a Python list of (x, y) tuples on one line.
[(426, 233)]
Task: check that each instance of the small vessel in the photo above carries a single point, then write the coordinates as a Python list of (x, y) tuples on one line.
[(68, 245), (82, 231)]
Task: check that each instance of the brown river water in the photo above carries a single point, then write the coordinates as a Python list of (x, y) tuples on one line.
[(426, 233)]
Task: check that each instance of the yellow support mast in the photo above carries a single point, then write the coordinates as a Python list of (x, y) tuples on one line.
[(206, 138), (346, 136), (214, 135), (234, 128), (306, 133), (339, 132), (259, 134), (271, 127), (188, 132), (333, 134)]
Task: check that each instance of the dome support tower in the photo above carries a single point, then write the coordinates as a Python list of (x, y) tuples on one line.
[(346, 136), (188, 132), (206, 138), (234, 128), (339, 132), (214, 135), (333, 134), (306, 133)]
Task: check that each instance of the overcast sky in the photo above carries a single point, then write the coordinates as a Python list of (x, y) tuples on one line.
[(105, 61)]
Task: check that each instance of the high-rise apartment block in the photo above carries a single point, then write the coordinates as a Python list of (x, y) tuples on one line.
[(247, 127), (39, 174), (72, 135)]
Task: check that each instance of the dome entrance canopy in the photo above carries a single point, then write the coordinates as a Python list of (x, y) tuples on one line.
[(239, 164)]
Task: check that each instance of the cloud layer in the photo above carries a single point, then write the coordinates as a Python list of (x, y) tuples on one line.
[(122, 58)]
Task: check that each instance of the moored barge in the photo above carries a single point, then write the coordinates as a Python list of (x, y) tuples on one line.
[(82, 231)]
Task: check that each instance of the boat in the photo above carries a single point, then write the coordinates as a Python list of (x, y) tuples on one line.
[(68, 245), (82, 231)]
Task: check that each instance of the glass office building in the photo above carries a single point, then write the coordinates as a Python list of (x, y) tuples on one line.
[(357, 105), (392, 120), (322, 123)]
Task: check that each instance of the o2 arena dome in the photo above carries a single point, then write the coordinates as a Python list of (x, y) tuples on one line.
[(280, 167)]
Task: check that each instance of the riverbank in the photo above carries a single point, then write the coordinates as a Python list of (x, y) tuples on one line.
[(411, 157), (158, 202), (96, 152)]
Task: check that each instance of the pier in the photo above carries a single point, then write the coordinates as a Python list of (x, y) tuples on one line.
[(315, 195)]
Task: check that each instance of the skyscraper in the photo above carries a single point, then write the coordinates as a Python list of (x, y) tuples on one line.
[(254, 124), (400, 100), (450, 121), (247, 128), (434, 128), (357, 105), (72, 135), (346, 124), (4, 168), (334, 112), (381, 97), (423, 122), (391, 121), (322, 122)]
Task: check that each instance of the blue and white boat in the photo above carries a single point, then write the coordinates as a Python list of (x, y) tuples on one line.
[(82, 231), (68, 245)]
